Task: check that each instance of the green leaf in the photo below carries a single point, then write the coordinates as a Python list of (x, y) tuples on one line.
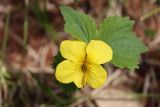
[(79, 25), (117, 32), (69, 88), (57, 59)]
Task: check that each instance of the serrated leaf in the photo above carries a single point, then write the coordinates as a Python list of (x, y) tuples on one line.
[(117, 32), (79, 25)]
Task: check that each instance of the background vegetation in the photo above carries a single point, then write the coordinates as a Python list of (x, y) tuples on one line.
[(30, 34)]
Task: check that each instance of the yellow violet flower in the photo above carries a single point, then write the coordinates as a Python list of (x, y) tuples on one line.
[(82, 64)]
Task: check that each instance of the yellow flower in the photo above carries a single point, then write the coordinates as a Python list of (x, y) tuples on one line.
[(82, 64)]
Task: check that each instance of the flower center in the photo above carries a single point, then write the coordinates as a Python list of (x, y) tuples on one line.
[(84, 70)]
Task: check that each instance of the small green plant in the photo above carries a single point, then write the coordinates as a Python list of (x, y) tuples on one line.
[(113, 40)]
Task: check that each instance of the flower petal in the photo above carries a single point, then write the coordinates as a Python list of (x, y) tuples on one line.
[(96, 75), (73, 50), (68, 71), (98, 52)]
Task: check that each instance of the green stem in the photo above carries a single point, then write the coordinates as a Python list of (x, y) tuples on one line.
[(149, 14), (6, 34), (25, 26)]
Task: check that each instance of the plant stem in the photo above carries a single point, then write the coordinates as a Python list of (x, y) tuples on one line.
[(149, 14), (25, 26), (6, 33)]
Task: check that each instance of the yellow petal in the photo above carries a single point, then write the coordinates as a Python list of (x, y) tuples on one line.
[(96, 75), (68, 71), (73, 50), (98, 52)]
